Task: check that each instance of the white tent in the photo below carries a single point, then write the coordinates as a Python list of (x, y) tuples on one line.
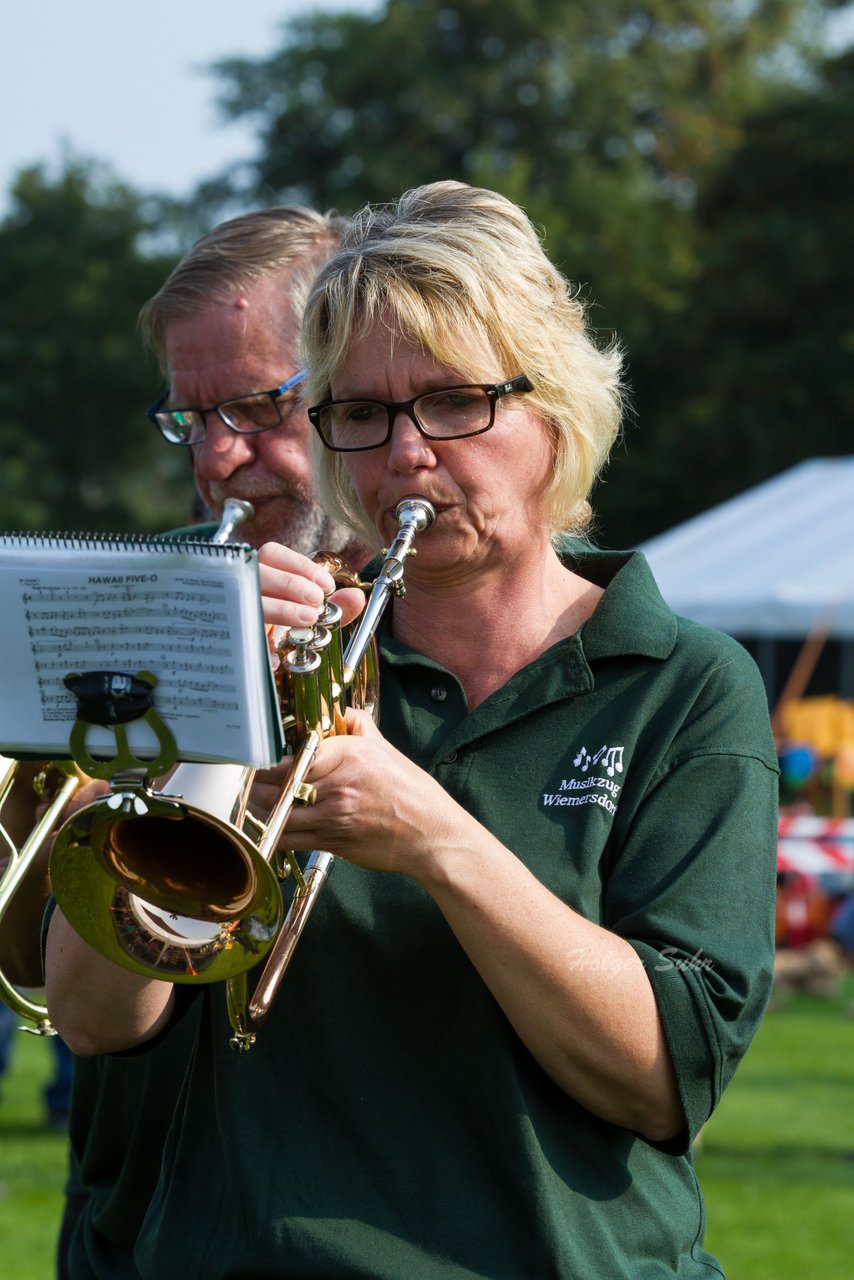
[(777, 561)]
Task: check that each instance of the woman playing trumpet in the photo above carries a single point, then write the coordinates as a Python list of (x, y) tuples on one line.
[(549, 937)]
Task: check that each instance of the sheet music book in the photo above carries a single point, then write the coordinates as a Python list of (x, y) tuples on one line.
[(186, 610)]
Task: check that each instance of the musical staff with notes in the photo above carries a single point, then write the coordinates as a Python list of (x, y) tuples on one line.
[(187, 611)]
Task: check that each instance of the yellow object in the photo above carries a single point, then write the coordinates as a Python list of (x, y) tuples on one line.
[(843, 770), (825, 724)]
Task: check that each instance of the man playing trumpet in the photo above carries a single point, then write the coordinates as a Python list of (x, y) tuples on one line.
[(225, 327)]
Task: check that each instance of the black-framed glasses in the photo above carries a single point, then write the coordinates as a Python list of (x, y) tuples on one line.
[(450, 413), (258, 411)]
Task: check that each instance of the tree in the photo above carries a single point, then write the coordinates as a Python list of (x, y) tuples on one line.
[(74, 381), (598, 116), (756, 372)]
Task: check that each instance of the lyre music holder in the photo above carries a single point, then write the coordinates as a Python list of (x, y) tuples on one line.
[(112, 700)]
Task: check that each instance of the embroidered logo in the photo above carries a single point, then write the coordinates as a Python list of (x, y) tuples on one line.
[(611, 757), (596, 784)]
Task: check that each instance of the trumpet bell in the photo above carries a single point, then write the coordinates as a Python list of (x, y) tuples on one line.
[(181, 859), (128, 888)]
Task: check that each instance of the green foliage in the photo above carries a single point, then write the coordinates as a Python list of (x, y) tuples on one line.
[(76, 449), (655, 143), (756, 370), (598, 116), (356, 108)]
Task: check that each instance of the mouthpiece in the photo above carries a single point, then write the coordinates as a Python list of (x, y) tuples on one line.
[(234, 512), (416, 512)]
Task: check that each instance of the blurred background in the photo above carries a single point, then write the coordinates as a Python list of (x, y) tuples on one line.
[(691, 163)]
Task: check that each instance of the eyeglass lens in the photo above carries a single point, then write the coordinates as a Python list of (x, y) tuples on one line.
[(361, 424), (247, 413), (251, 412)]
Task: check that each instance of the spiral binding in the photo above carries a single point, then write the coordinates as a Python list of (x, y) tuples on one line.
[(159, 543)]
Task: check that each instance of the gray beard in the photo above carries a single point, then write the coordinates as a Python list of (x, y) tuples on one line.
[(308, 529), (303, 526), (313, 530)]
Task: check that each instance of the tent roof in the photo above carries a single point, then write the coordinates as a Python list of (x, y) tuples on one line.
[(775, 561)]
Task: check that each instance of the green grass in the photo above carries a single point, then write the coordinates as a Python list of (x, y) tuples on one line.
[(776, 1161), (32, 1166)]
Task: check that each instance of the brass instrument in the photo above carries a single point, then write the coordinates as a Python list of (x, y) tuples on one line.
[(176, 879), (20, 863), (235, 511)]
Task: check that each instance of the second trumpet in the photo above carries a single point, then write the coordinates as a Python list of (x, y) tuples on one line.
[(175, 878)]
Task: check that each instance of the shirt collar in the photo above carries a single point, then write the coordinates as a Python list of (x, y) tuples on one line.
[(631, 617)]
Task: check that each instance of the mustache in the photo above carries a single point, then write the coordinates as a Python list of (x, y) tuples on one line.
[(260, 491)]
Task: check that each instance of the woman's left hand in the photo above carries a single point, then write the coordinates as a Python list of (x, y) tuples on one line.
[(293, 589)]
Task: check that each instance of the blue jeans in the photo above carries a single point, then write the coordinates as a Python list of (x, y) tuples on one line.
[(59, 1087), (8, 1023), (57, 1092)]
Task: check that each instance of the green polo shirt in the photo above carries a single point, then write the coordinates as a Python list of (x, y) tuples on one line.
[(389, 1123), (205, 530), (121, 1110)]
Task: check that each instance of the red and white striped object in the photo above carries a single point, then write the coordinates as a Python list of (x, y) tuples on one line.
[(815, 846)]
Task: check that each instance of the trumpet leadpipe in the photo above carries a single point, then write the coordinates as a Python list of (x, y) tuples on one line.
[(414, 514)]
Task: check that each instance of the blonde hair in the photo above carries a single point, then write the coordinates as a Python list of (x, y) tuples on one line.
[(461, 271), (237, 253)]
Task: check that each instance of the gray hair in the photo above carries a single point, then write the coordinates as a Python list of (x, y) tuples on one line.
[(235, 254), (461, 271)]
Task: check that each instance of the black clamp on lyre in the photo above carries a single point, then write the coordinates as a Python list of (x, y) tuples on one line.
[(113, 699)]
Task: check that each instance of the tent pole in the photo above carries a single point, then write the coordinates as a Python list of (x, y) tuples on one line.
[(802, 671)]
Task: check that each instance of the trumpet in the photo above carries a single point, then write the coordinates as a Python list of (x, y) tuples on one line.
[(20, 862), (177, 879)]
